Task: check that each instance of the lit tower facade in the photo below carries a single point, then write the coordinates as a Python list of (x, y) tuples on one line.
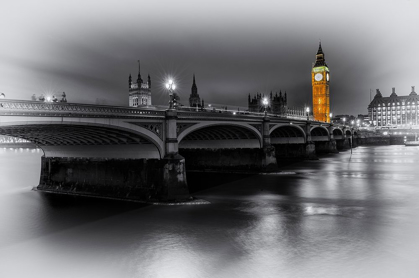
[(320, 78), (139, 92)]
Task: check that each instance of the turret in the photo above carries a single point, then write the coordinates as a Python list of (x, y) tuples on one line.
[(139, 80), (413, 93), (149, 81), (378, 94), (320, 59), (194, 89), (393, 92)]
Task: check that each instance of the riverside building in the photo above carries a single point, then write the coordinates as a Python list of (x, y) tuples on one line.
[(394, 111)]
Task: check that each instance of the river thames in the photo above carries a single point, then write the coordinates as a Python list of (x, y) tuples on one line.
[(341, 216)]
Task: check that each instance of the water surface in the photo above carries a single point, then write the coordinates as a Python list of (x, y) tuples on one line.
[(341, 216)]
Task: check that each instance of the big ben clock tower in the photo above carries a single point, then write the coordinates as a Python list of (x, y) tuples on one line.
[(320, 82)]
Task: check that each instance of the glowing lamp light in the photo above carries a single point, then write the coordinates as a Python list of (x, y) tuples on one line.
[(307, 109), (265, 101), (48, 99), (170, 86)]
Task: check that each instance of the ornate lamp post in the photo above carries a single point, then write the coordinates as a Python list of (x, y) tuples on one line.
[(330, 116), (344, 120), (170, 86), (265, 103), (307, 112)]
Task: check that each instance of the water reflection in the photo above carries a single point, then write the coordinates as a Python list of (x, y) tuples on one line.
[(341, 216)]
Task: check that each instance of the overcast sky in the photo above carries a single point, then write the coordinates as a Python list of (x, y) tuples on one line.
[(88, 49)]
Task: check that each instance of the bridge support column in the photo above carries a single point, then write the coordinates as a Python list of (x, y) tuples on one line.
[(269, 158), (346, 143), (311, 151), (333, 146), (326, 146), (139, 179), (310, 146), (174, 175)]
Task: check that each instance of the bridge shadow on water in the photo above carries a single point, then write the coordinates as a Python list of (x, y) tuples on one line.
[(62, 211), (202, 180)]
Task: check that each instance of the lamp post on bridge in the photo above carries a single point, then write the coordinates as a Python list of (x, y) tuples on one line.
[(307, 112), (265, 103), (170, 86)]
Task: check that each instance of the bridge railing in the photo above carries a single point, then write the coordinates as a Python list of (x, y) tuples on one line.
[(217, 112), (22, 107)]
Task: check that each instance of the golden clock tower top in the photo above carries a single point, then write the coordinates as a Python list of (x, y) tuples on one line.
[(320, 78)]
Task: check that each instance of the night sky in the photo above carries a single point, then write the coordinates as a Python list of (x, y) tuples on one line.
[(88, 49)]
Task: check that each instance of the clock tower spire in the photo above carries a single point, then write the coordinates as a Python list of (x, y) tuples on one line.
[(320, 83)]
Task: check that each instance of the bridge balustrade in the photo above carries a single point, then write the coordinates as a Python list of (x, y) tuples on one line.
[(20, 107)]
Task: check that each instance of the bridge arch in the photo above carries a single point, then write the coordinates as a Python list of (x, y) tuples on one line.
[(348, 132), (111, 138), (337, 133), (287, 134), (220, 135), (319, 133)]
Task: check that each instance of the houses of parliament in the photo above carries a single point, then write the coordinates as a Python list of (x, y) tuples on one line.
[(140, 93)]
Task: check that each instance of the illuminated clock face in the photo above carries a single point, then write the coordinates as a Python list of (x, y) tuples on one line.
[(327, 77), (318, 76)]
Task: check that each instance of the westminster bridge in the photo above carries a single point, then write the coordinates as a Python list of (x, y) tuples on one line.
[(141, 153)]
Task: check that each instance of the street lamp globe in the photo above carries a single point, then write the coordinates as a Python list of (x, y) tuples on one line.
[(265, 103), (170, 86)]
